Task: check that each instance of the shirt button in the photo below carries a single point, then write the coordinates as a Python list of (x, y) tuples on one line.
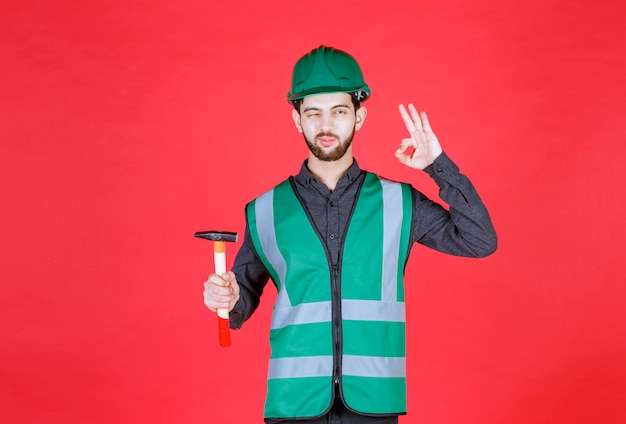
[(332, 236)]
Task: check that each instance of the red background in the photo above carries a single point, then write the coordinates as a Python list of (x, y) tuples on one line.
[(126, 126)]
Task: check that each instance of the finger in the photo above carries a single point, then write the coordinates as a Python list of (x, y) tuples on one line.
[(229, 276), (218, 298), (218, 280), (208, 300), (403, 157), (425, 122), (211, 291), (410, 125), (416, 117), (405, 144)]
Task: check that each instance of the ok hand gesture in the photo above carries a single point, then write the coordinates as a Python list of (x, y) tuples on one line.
[(423, 140)]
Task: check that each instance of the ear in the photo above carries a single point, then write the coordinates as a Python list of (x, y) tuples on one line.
[(296, 119), (361, 113)]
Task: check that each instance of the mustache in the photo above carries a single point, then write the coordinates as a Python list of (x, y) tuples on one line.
[(327, 134)]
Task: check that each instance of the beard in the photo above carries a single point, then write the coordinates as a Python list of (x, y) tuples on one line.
[(336, 153)]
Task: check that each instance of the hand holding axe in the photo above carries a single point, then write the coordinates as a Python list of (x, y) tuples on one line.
[(219, 257)]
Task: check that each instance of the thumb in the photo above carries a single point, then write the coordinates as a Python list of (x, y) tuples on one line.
[(229, 276), (405, 144)]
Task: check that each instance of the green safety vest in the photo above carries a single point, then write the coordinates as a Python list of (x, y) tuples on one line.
[(369, 336)]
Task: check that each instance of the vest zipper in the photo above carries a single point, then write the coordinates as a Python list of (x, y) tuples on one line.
[(337, 329)]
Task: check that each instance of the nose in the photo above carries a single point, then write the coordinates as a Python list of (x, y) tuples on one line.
[(327, 122)]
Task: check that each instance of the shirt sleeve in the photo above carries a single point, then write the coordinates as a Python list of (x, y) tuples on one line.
[(463, 230), (252, 277)]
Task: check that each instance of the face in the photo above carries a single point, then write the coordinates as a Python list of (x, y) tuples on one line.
[(328, 122)]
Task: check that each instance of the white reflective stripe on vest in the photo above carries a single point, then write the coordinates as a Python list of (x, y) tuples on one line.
[(302, 366), (264, 211), (392, 214), (351, 309), (373, 366), (320, 366), (305, 313), (372, 310)]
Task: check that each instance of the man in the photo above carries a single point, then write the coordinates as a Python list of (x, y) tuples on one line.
[(335, 240)]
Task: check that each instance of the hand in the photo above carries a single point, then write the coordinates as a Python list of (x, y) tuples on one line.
[(221, 291), (423, 140)]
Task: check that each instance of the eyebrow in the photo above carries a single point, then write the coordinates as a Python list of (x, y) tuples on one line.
[(310, 108)]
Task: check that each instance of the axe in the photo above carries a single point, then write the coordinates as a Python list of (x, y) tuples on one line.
[(219, 257)]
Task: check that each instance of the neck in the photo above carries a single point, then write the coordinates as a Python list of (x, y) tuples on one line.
[(329, 172)]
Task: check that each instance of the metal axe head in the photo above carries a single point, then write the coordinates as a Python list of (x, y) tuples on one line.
[(217, 235)]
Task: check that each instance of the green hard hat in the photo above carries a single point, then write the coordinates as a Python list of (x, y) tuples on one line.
[(327, 70)]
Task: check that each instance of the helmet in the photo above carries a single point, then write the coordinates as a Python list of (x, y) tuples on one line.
[(327, 70)]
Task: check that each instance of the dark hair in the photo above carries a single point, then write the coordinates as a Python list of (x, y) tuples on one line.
[(354, 96)]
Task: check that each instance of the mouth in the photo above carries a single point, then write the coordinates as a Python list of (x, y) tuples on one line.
[(326, 141)]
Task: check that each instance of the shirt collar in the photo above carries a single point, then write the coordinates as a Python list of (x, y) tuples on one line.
[(306, 178)]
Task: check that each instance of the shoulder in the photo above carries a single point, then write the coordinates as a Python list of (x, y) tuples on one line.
[(387, 181)]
